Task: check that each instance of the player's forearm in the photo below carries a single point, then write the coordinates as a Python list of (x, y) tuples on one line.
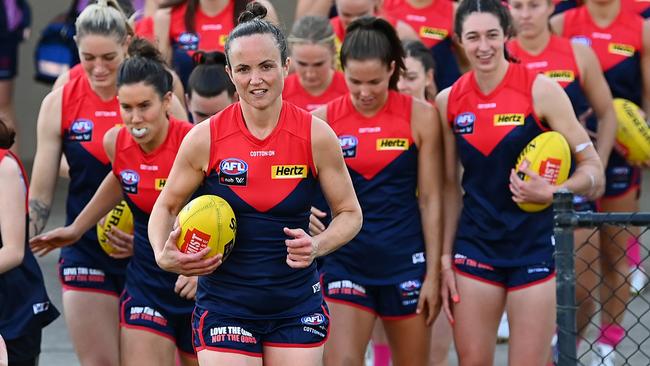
[(108, 195), (344, 227), (431, 216), (161, 223)]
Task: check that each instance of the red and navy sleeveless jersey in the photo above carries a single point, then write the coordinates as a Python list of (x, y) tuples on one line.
[(85, 119), (641, 7), (269, 184), (76, 71), (563, 5), (24, 304), (143, 177), (558, 62), (294, 93), (434, 25), (491, 131), (210, 32), (381, 157), (144, 29), (617, 46)]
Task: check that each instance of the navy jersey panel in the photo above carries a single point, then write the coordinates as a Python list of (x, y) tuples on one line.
[(491, 131), (269, 184), (381, 157), (24, 304), (84, 121), (142, 177), (446, 67)]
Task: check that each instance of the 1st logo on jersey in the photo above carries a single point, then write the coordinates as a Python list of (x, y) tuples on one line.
[(233, 172), (81, 130), (348, 145), (130, 179), (464, 123)]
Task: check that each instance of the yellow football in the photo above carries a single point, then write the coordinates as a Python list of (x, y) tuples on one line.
[(120, 217), (633, 133), (549, 156), (207, 221)]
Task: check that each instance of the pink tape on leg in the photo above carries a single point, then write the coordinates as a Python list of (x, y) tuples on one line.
[(633, 252), (382, 354), (611, 334)]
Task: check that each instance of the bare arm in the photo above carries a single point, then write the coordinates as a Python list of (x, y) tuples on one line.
[(553, 106), (177, 109), (557, 24), (161, 24), (600, 99), (46, 161), (61, 80), (12, 215), (337, 188), (313, 7)]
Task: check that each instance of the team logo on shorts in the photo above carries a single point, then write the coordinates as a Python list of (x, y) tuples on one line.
[(130, 179), (581, 40), (313, 319), (348, 145), (233, 172), (81, 130), (411, 285), (188, 41), (464, 123)]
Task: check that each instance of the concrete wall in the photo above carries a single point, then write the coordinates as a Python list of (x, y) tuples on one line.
[(28, 93)]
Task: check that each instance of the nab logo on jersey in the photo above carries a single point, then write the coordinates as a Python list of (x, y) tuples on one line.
[(392, 144), (130, 179), (349, 145), (289, 171), (313, 319), (464, 123), (188, 41), (509, 119), (81, 130), (233, 172)]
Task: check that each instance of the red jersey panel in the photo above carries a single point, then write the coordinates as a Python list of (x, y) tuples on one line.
[(76, 71), (641, 7), (144, 29), (210, 32), (433, 23), (294, 92)]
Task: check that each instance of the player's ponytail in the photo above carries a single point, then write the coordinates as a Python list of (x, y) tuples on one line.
[(209, 78)]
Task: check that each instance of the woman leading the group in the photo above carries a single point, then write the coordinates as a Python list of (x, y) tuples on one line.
[(497, 255), (392, 150), (156, 306), (264, 304)]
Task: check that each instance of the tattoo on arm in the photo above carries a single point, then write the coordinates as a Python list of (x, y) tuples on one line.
[(39, 212)]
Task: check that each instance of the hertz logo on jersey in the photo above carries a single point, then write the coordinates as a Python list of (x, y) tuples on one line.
[(289, 171), (392, 144), (509, 119), (433, 33), (159, 183), (562, 76), (621, 49)]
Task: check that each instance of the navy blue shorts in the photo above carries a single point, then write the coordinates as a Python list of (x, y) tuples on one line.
[(87, 277), (216, 332), (24, 349), (395, 301), (620, 176), (142, 314), (510, 278), (8, 57)]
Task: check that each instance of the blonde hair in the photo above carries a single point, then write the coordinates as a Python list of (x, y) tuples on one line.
[(105, 18), (313, 30)]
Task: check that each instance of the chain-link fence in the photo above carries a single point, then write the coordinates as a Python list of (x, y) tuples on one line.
[(603, 312)]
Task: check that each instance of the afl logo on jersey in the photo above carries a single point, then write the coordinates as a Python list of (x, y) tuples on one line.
[(188, 41), (313, 319), (130, 179), (348, 145), (464, 123), (233, 172), (409, 286), (81, 130), (581, 40)]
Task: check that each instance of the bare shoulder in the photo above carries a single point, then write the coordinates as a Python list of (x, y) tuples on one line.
[(320, 113)]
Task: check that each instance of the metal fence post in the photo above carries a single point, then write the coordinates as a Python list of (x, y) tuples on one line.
[(564, 224)]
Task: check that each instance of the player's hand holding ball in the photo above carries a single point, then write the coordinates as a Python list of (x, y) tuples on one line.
[(302, 248), (171, 259)]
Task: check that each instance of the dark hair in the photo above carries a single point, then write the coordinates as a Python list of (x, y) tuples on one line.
[(494, 7), (193, 5), (7, 135), (417, 50), (313, 30), (146, 65), (374, 38), (251, 21), (209, 78)]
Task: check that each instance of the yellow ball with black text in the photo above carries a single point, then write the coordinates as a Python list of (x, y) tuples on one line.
[(633, 133), (549, 156), (119, 217), (207, 221)]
